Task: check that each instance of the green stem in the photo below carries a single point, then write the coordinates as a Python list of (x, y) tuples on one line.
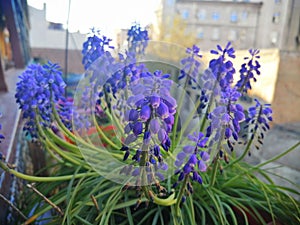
[(262, 164), (45, 179), (208, 106), (240, 157), (248, 144), (73, 148), (190, 117), (54, 147), (181, 192), (214, 172), (216, 158), (180, 102), (68, 133), (103, 135)]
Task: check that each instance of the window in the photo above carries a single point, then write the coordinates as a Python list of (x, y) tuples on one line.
[(201, 14), (245, 15), (185, 14), (215, 16), (233, 17), (215, 34), (200, 33), (276, 17)]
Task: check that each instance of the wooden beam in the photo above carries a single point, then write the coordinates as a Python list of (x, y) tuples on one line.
[(12, 23), (3, 86)]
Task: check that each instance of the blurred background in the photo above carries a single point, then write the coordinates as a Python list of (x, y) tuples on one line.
[(42, 30)]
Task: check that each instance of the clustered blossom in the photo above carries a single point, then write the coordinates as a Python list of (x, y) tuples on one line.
[(223, 70), (191, 65), (94, 47), (227, 114), (151, 114), (196, 158), (39, 87), (226, 117), (259, 117), (248, 71), (137, 38), (219, 76)]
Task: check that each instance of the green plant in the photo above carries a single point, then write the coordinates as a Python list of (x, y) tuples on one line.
[(167, 157)]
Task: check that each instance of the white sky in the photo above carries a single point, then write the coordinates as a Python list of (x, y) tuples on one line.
[(107, 15)]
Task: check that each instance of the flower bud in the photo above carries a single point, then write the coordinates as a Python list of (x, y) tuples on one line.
[(145, 113), (154, 126), (133, 115), (155, 101), (137, 128), (163, 110), (162, 135)]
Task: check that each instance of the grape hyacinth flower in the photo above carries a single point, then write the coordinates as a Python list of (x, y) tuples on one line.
[(259, 117), (94, 47), (149, 120), (223, 70), (191, 66), (217, 77), (137, 38), (195, 163), (248, 71), (39, 87), (225, 118)]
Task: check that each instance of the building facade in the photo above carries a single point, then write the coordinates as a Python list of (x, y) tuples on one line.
[(246, 23), (48, 42)]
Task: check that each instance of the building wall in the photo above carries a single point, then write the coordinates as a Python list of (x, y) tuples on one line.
[(246, 23), (286, 104), (216, 22), (58, 56), (43, 37), (50, 44)]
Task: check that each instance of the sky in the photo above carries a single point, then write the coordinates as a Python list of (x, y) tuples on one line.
[(107, 15)]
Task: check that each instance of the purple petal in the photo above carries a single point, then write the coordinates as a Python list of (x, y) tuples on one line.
[(137, 128), (154, 126), (201, 166), (162, 135), (188, 149), (155, 101), (145, 113), (163, 110), (181, 156)]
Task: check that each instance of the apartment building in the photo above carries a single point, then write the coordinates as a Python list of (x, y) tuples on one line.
[(254, 23)]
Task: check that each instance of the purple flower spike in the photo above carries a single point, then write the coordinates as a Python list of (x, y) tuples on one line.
[(145, 113)]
